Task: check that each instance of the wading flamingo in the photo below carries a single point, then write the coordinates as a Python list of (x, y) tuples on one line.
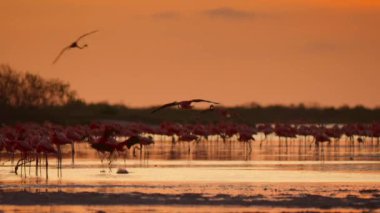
[(143, 141)]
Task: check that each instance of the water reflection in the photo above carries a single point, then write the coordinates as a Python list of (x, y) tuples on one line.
[(213, 161), (233, 150)]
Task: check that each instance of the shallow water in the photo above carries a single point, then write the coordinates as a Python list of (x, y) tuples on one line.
[(214, 171), (274, 150), (212, 174)]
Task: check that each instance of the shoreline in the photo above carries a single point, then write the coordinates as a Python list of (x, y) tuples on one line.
[(325, 196), (138, 198)]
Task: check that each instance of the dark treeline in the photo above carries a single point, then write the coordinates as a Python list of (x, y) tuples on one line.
[(26, 97), (80, 112)]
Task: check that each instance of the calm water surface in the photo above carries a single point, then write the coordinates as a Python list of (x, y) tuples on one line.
[(210, 168), (217, 161)]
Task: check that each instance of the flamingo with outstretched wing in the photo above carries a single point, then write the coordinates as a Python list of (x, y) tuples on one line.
[(74, 45)]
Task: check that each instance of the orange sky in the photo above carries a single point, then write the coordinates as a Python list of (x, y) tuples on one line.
[(233, 52)]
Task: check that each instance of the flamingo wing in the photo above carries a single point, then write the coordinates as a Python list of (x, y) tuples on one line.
[(165, 105), (86, 34), (201, 100), (60, 54)]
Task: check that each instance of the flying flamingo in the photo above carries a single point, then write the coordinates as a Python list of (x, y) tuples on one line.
[(183, 104), (74, 45)]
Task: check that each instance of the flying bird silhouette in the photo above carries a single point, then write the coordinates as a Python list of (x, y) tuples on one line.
[(182, 104), (74, 45)]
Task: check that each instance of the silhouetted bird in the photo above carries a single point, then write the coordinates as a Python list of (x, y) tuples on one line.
[(74, 45), (182, 104)]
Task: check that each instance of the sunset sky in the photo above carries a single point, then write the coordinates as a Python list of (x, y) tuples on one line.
[(234, 52)]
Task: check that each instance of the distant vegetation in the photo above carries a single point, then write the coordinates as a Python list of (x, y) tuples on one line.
[(23, 90), (26, 97)]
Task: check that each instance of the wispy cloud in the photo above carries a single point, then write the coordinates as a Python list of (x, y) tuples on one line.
[(227, 12), (166, 15)]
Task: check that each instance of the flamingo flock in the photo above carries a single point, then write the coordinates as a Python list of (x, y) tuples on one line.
[(34, 143)]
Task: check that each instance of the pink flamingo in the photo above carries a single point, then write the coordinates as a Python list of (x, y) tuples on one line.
[(320, 138), (44, 146), (246, 135), (137, 139), (74, 135), (59, 139), (25, 148), (187, 137)]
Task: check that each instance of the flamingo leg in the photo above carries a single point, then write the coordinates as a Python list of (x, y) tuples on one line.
[(18, 164), (46, 166), (72, 153), (37, 164)]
